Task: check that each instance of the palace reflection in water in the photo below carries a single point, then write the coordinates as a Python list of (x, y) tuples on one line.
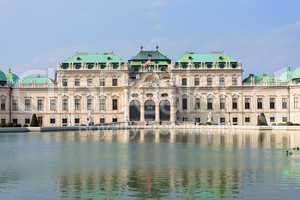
[(166, 164)]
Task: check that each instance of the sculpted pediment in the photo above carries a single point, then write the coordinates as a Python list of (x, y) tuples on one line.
[(154, 80)]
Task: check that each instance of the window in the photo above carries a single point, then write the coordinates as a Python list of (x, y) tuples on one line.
[(272, 103), (272, 119), (77, 104), (234, 81), (64, 82), (65, 104), (52, 104), (197, 104), (235, 103), (114, 82), (77, 121), (209, 81), (184, 81), (14, 105), (196, 81), (89, 104), (209, 104), (247, 119), (27, 104), (3, 121), (284, 119), (247, 103), (15, 121), (102, 103), (40, 104), (102, 82), (27, 121), (89, 82), (222, 103), (102, 120), (284, 103), (115, 104), (77, 82), (235, 121), (209, 65), (184, 103), (3, 103), (222, 120), (260, 103), (222, 81), (296, 102), (64, 121), (52, 120), (115, 120), (197, 119)]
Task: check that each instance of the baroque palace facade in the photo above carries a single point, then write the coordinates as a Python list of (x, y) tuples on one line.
[(150, 89)]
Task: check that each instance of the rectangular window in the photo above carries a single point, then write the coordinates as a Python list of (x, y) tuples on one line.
[(222, 103), (89, 104), (115, 104), (209, 81), (234, 81), (197, 104), (102, 120), (115, 120), (40, 104), (64, 82), (52, 104), (64, 121), (15, 105), (234, 104), (272, 119), (77, 104), (284, 119), (102, 82), (247, 103), (114, 82), (184, 104), (77, 82), (3, 103), (89, 82), (221, 81), (27, 121), (272, 103), (247, 119), (65, 105), (196, 81), (77, 121), (259, 103), (102, 103), (235, 121), (284, 103), (27, 104), (209, 104), (3, 121), (52, 120), (222, 120), (197, 119), (15, 121), (184, 81), (296, 102)]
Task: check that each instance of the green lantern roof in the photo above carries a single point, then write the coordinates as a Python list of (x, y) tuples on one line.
[(93, 58), (150, 55), (37, 79), (2, 76), (212, 57)]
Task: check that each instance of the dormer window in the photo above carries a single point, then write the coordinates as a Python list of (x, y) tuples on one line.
[(65, 65), (222, 65), (77, 65), (90, 65), (234, 65), (209, 65), (78, 58)]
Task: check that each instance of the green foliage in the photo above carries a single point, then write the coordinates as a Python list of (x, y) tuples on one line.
[(262, 121), (34, 121)]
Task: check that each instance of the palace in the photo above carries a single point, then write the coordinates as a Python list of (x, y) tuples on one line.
[(150, 88)]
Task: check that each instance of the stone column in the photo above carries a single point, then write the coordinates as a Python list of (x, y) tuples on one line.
[(126, 107), (142, 111), (157, 111), (173, 110)]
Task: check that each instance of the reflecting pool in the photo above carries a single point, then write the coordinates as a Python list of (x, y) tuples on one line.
[(149, 164)]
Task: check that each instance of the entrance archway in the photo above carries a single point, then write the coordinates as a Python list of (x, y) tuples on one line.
[(164, 110), (149, 107), (134, 111)]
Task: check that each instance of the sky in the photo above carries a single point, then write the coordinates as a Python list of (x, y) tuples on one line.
[(38, 35)]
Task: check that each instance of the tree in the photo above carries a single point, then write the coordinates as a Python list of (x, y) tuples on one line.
[(261, 120), (34, 121)]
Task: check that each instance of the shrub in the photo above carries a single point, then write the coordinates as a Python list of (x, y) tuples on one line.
[(262, 121), (34, 121)]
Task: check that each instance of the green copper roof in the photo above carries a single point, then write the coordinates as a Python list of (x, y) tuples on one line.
[(2, 76), (93, 58), (152, 55), (37, 79), (212, 57)]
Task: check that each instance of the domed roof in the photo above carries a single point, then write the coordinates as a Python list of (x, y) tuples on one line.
[(36, 79), (296, 74), (2, 76)]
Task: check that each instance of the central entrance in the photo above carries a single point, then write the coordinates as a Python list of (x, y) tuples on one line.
[(149, 110), (134, 111)]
